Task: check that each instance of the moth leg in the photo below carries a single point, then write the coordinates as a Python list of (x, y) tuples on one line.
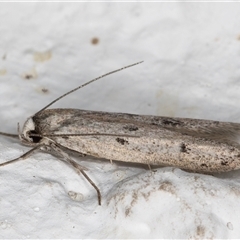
[(77, 167), (24, 156), (56, 150), (149, 167), (47, 148)]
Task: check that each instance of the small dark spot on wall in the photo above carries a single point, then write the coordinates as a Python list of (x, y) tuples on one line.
[(45, 90), (28, 76), (122, 141), (95, 41), (204, 165), (131, 128), (32, 74)]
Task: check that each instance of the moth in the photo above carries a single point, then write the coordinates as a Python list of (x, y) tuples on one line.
[(193, 144)]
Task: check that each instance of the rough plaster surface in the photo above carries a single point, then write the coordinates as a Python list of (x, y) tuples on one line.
[(191, 69)]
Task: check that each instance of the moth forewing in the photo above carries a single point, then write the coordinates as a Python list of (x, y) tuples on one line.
[(201, 147)]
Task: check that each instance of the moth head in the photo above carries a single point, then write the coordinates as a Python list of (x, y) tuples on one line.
[(29, 128)]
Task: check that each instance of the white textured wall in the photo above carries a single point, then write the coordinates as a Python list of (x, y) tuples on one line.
[(191, 54)]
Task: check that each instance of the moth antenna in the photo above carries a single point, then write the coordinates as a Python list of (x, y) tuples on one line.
[(82, 134), (23, 157), (9, 135), (85, 84)]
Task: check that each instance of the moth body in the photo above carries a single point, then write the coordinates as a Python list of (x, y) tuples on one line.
[(191, 144)]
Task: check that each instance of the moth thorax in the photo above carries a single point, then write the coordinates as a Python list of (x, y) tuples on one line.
[(29, 128)]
